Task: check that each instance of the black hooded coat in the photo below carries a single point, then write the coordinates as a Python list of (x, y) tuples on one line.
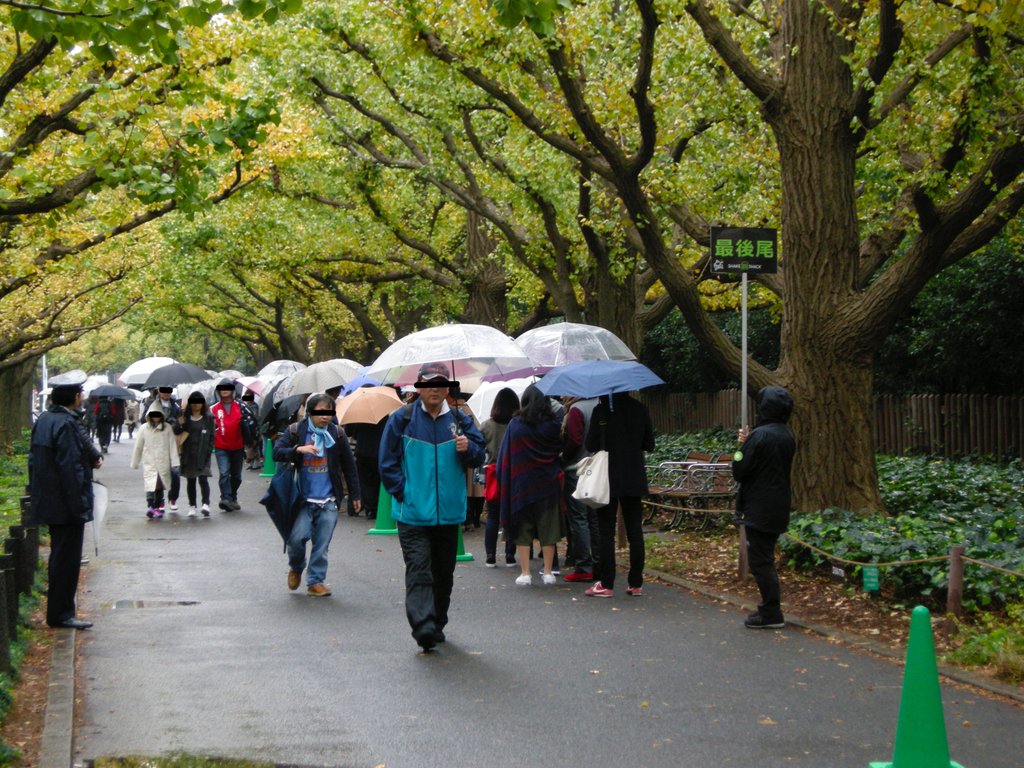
[(762, 465)]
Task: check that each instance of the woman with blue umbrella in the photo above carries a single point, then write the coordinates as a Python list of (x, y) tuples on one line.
[(622, 426)]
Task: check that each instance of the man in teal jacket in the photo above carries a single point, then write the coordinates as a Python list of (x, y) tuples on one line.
[(424, 453)]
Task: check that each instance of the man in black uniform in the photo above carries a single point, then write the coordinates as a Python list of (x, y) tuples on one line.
[(61, 462)]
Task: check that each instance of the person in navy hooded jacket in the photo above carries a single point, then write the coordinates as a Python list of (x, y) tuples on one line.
[(425, 451), (762, 466)]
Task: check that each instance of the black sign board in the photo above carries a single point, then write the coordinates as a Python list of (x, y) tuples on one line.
[(735, 250)]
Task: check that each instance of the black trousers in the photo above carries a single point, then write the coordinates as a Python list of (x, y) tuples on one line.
[(369, 483), (429, 552), (761, 558), (104, 429), (633, 518), (63, 569)]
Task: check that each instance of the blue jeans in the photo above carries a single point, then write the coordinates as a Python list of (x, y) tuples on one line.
[(491, 530), (229, 468), (583, 529), (314, 522)]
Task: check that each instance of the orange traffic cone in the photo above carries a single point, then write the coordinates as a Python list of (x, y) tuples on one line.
[(921, 730)]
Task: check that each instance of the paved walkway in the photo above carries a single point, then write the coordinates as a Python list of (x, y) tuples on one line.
[(200, 648)]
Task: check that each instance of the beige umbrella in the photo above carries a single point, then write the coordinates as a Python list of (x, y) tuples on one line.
[(367, 405)]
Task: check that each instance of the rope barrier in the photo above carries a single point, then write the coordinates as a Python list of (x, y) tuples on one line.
[(843, 560), (838, 559), (680, 508), (967, 559)]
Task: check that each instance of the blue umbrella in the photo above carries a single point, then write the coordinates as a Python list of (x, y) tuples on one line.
[(362, 380), (593, 378)]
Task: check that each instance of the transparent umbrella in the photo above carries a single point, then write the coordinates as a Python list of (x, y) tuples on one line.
[(319, 377), (552, 345), (279, 368), (473, 353), (483, 398)]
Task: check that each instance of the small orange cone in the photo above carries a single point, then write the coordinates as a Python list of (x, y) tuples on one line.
[(921, 730)]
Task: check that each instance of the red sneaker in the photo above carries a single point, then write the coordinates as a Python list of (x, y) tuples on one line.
[(576, 576), (598, 591)]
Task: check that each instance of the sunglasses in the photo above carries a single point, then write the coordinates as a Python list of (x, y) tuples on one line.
[(321, 412)]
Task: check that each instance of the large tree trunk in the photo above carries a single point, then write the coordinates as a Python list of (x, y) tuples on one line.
[(15, 392), (486, 304), (834, 464), (822, 362)]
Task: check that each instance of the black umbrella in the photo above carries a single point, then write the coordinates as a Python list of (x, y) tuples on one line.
[(112, 390), (174, 374), (282, 500)]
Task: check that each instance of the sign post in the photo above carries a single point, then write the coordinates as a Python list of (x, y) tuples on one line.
[(739, 250)]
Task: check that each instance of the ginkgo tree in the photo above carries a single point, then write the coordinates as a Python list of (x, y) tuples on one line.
[(884, 141), (112, 115)]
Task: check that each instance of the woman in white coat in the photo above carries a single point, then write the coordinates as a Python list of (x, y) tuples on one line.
[(157, 450)]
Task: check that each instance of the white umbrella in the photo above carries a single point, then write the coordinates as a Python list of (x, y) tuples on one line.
[(552, 345), (135, 375), (474, 353), (319, 377), (483, 399), (99, 511), (279, 368)]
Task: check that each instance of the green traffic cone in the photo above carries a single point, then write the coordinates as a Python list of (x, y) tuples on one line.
[(269, 466), (384, 524), (462, 556), (920, 730)]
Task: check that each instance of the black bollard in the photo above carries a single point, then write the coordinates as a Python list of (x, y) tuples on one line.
[(5, 636), (24, 565), (26, 505), (10, 603)]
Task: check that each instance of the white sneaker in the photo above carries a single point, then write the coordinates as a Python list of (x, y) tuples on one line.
[(173, 506), (206, 510), (191, 511), (547, 578), (524, 580)]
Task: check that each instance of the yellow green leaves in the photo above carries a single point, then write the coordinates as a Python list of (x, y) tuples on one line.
[(539, 14)]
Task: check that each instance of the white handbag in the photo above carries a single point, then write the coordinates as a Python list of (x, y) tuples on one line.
[(592, 488)]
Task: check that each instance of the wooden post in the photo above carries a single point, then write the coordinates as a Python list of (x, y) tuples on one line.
[(744, 565), (955, 594)]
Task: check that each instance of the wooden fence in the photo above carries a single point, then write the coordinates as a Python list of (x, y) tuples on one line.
[(941, 425)]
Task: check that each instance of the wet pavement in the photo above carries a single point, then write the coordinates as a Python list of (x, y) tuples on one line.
[(200, 648)]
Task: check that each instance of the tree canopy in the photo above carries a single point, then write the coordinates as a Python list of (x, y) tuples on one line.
[(433, 164)]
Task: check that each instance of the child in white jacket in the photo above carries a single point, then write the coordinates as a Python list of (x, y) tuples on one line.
[(157, 450)]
